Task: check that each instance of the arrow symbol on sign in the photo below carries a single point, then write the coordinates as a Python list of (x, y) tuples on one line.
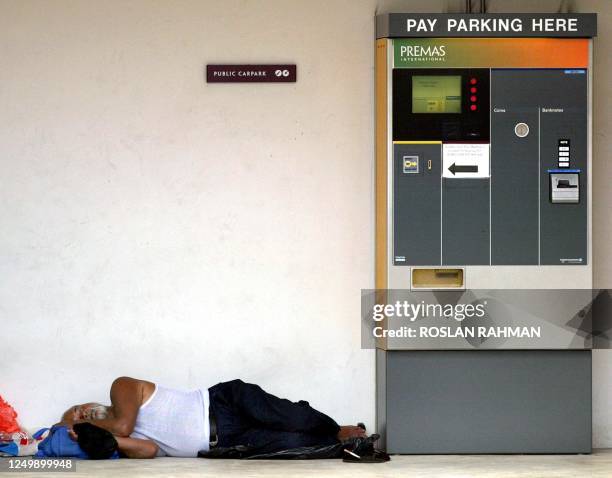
[(462, 169)]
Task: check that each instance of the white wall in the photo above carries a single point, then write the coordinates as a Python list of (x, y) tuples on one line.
[(159, 227)]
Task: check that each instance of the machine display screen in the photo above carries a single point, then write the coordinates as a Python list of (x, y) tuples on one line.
[(436, 94)]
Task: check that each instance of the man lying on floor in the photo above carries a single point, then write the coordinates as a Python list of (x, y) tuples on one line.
[(149, 420)]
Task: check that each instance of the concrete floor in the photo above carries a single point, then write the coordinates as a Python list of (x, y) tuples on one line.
[(599, 464)]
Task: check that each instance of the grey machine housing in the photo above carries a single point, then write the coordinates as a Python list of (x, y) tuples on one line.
[(526, 225)]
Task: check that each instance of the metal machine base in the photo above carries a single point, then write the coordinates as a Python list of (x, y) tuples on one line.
[(485, 401)]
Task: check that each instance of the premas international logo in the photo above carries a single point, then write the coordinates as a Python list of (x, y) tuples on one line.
[(418, 53)]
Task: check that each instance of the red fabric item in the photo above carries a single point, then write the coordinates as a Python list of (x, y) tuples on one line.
[(8, 418)]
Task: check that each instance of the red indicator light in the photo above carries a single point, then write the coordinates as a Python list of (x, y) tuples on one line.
[(473, 107), (473, 81), (473, 89), (473, 99)]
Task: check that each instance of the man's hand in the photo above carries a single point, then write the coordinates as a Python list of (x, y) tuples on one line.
[(72, 434)]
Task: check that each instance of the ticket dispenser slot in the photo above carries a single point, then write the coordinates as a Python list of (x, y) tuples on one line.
[(428, 278), (564, 188)]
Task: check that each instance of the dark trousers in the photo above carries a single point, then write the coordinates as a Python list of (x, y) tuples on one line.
[(247, 415)]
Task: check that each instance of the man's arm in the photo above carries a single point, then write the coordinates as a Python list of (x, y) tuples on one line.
[(126, 398), (136, 448)]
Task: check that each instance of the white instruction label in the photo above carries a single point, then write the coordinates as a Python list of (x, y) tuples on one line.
[(465, 160)]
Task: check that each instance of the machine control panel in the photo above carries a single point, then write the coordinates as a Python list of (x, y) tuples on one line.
[(509, 153)]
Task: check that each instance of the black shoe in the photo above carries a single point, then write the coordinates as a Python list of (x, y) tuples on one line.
[(363, 451)]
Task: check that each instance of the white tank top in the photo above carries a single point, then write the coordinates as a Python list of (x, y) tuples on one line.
[(176, 420)]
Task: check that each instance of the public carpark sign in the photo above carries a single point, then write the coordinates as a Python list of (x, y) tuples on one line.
[(251, 73)]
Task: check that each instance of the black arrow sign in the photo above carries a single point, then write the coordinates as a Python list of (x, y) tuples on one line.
[(462, 169)]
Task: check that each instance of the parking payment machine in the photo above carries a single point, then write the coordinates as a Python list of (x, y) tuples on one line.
[(483, 164)]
